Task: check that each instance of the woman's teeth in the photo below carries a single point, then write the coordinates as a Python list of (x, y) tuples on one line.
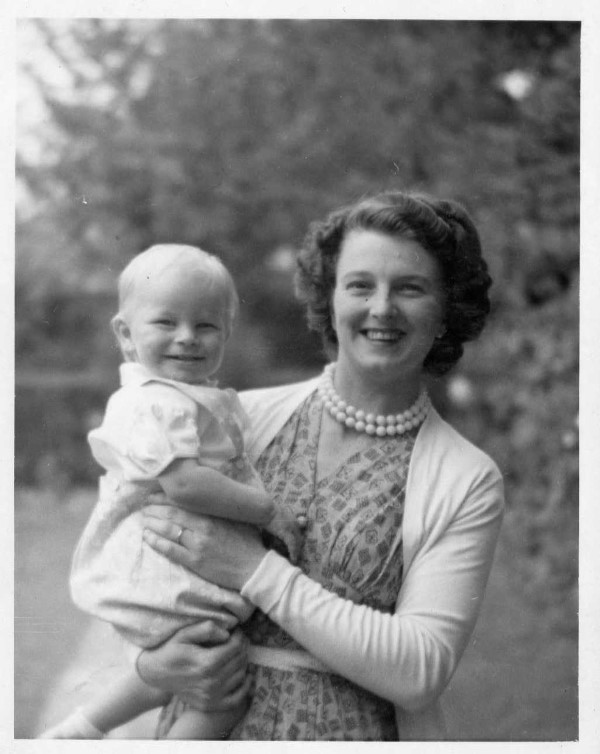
[(382, 334)]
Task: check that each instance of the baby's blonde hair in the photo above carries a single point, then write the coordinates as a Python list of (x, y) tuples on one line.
[(159, 258)]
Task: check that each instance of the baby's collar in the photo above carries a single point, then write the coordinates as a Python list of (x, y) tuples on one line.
[(133, 373)]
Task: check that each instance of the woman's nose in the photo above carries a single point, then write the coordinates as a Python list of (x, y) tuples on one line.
[(382, 304)]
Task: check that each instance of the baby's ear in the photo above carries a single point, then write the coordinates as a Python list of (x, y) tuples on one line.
[(123, 335)]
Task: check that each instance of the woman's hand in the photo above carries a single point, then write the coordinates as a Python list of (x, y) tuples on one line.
[(222, 552), (202, 664)]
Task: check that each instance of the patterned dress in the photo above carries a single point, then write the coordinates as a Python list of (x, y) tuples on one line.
[(353, 547)]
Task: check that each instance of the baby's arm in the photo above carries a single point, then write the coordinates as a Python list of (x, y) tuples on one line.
[(207, 491)]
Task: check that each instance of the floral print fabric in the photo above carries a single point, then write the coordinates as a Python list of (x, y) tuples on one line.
[(353, 547)]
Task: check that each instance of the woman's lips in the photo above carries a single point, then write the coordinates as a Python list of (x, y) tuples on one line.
[(185, 358)]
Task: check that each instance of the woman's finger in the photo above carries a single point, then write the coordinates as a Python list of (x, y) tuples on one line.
[(158, 498), (180, 516), (204, 633), (236, 697), (175, 552), (166, 527), (221, 698), (229, 657), (233, 682), (162, 511)]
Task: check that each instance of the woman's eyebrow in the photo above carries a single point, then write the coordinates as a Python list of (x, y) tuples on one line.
[(356, 273)]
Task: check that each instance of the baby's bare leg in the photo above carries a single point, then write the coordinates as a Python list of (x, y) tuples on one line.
[(123, 701), (206, 726)]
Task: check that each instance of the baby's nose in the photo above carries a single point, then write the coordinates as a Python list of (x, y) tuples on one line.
[(185, 334)]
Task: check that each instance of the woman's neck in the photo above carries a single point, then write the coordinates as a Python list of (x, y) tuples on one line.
[(374, 392)]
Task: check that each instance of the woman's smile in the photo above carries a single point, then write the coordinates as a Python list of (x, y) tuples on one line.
[(382, 336)]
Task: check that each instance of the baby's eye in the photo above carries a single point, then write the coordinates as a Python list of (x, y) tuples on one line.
[(359, 285), (164, 322), (206, 326)]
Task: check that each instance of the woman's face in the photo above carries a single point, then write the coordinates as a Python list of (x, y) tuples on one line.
[(388, 305)]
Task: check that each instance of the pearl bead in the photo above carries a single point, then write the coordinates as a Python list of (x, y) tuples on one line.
[(350, 410), (370, 418), (391, 430), (360, 426), (360, 414), (370, 429), (390, 419), (350, 422), (381, 431), (380, 419)]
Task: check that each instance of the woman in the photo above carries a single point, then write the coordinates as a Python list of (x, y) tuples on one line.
[(359, 638)]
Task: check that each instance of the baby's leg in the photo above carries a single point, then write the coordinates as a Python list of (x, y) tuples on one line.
[(205, 726), (124, 700)]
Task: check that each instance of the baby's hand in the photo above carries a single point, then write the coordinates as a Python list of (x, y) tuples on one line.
[(290, 530)]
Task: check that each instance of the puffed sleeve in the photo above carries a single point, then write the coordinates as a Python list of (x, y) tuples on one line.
[(146, 430)]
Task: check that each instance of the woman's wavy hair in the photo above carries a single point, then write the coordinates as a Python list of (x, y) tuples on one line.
[(440, 226)]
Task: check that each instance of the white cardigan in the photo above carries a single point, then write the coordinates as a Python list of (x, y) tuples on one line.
[(452, 514)]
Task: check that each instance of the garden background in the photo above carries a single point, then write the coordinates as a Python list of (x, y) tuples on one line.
[(234, 135)]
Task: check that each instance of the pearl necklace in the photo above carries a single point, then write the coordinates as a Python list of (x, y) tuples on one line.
[(360, 421)]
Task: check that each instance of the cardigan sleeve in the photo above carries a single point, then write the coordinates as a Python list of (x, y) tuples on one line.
[(407, 657)]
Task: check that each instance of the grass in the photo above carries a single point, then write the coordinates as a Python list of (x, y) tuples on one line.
[(516, 682)]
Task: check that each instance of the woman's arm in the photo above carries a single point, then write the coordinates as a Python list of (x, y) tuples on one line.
[(407, 657), (205, 490)]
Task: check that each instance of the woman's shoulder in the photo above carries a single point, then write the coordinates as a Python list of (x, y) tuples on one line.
[(268, 409), (450, 478), (279, 395), (441, 445)]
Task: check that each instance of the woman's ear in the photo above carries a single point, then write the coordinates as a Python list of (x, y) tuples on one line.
[(123, 335)]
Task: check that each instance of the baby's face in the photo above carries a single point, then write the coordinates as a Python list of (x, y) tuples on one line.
[(177, 326)]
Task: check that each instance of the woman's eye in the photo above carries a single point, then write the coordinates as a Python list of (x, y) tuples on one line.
[(411, 288), (163, 322)]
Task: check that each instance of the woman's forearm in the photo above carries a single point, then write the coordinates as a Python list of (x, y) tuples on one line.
[(391, 656)]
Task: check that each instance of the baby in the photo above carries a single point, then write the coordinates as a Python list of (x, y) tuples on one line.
[(170, 429)]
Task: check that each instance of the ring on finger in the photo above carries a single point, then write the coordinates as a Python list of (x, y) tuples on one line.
[(179, 535)]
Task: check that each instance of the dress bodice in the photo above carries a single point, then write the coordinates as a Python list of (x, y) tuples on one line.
[(353, 536)]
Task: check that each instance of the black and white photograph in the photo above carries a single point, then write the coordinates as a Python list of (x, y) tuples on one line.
[(298, 324)]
